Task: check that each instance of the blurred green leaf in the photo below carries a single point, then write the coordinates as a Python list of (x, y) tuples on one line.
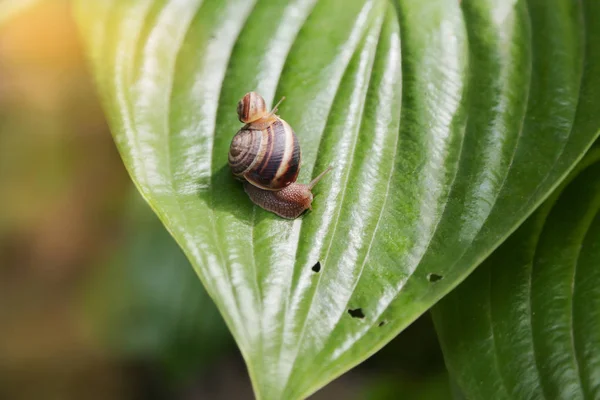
[(435, 387), (150, 305), (447, 125), (526, 324)]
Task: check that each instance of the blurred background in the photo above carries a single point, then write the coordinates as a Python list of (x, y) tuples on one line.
[(96, 300)]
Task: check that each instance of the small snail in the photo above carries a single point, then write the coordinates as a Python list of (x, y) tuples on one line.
[(266, 154)]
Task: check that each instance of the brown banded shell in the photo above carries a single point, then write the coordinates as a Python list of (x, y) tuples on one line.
[(251, 107), (269, 158)]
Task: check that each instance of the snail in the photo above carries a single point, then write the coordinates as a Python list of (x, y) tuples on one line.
[(266, 155)]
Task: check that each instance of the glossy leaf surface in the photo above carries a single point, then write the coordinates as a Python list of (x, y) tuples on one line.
[(526, 324), (446, 126)]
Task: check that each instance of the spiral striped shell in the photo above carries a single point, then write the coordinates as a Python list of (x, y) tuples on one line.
[(268, 158), (251, 107)]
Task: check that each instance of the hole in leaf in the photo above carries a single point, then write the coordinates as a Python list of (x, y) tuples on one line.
[(382, 323), (434, 277), (358, 313), (317, 266)]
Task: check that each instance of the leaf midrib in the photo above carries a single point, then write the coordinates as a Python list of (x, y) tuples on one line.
[(365, 85)]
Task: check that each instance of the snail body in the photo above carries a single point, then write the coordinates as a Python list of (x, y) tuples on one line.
[(265, 153)]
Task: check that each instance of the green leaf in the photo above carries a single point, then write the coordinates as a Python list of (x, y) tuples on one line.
[(525, 324), (446, 127)]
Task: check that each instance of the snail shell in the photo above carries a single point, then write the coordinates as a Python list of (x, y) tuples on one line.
[(251, 108), (268, 158)]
